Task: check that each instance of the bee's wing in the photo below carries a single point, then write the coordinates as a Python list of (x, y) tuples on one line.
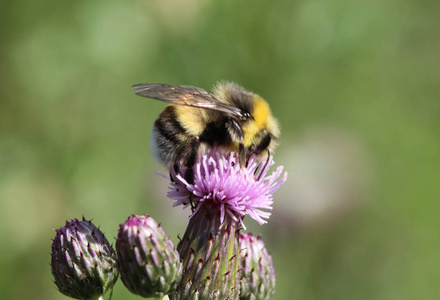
[(186, 95)]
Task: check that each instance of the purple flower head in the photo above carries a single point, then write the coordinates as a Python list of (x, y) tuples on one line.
[(221, 183)]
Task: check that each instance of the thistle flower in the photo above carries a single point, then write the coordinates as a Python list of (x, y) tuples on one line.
[(222, 183), (221, 195), (258, 281), (83, 262), (148, 263)]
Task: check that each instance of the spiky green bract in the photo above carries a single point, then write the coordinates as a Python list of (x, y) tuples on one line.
[(83, 261), (148, 262), (258, 281), (210, 255)]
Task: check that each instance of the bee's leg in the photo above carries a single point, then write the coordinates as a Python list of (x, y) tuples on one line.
[(189, 176), (249, 154), (176, 171), (247, 160), (237, 135), (263, 167), (191, 160), (242, 155)]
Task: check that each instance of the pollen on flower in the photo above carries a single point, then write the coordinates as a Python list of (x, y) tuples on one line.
[(221, 183)]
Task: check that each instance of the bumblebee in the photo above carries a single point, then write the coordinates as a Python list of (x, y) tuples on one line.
[(231, 119)]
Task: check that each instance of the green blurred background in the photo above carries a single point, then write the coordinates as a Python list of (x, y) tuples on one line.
[(355, 85)]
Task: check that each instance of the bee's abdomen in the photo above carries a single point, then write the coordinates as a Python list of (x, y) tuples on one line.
[(168, 125), (170, 141)]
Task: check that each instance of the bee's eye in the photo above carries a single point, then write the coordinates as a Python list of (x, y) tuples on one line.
[(264, 143)]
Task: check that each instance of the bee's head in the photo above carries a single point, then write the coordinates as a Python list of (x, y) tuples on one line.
[(261, 130), (256, 129)]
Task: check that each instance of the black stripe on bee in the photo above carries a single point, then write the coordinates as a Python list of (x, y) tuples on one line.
[(168, 125)]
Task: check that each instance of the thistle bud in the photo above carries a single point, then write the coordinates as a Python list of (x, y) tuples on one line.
[(258, 281), (148, 263), (210, 256), (83, 262)]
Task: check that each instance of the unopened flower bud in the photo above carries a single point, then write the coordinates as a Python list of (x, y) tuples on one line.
[(83, 262), (210, 256), (258, 281), (147, 260)]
